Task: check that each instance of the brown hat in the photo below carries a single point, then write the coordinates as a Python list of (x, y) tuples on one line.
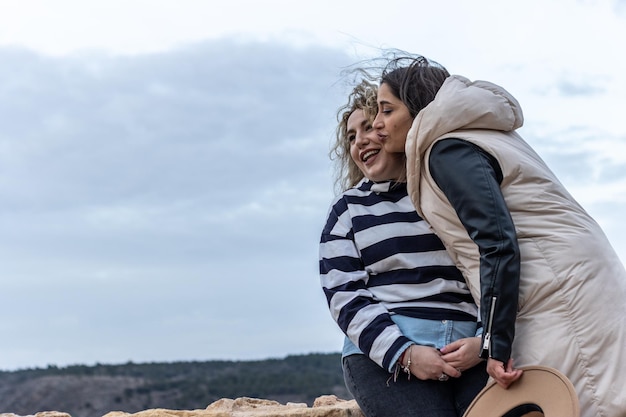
[(540, 391)]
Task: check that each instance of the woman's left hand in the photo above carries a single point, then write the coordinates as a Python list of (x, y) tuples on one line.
[(463, 353)]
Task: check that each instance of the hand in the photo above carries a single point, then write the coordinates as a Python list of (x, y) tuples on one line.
[(463, 353), (504, 376), (427, 363)]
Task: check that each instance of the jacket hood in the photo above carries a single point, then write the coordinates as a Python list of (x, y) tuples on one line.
[(464, 104)]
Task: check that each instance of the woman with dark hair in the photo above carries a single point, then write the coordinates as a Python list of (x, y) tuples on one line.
[(551, 289)]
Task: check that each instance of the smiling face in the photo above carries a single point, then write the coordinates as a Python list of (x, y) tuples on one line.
[(393, 120), (366, 150)]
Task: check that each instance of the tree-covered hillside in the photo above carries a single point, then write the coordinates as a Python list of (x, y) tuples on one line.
[(88, 391)]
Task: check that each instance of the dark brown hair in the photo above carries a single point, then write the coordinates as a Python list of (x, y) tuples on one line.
[(414, 79)]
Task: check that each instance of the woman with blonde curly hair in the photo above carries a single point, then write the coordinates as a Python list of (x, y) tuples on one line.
[(411, 345)]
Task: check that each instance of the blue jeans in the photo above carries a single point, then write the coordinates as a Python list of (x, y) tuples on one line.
[(379, 396)]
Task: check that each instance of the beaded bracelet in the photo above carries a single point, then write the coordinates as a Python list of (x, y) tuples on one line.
[(407, 368), (399, 366)]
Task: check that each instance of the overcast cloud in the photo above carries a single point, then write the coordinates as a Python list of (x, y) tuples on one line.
[(159, 200)]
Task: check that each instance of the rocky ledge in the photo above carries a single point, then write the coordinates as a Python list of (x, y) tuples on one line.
[(324, 406)]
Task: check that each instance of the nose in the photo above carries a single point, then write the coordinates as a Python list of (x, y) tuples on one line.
[(361, 139), (378, 121)]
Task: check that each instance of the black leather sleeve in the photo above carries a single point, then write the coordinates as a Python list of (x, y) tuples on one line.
[(470, 178)]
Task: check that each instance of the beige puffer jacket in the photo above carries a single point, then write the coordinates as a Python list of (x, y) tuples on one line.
[(572, 301)]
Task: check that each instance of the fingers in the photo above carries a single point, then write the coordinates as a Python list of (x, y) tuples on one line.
[(452, 346), (465, 356), (427, 363), (504, 376), (451, 371), (509, 366)]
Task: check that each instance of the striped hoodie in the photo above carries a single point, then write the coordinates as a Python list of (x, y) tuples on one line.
[(377, 258)]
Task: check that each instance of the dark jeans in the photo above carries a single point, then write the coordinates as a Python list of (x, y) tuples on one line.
[(379, 396)]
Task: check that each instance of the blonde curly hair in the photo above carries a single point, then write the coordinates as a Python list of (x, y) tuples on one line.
[(363, 96)]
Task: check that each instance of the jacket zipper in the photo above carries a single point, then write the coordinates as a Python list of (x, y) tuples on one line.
[(487, 340)]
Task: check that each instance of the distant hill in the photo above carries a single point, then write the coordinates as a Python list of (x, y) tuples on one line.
[(88, 391)]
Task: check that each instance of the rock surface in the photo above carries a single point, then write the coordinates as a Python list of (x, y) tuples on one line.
[(324, 406), (40, 414)]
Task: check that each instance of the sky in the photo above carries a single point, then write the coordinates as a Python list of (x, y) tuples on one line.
[(164, 169)]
